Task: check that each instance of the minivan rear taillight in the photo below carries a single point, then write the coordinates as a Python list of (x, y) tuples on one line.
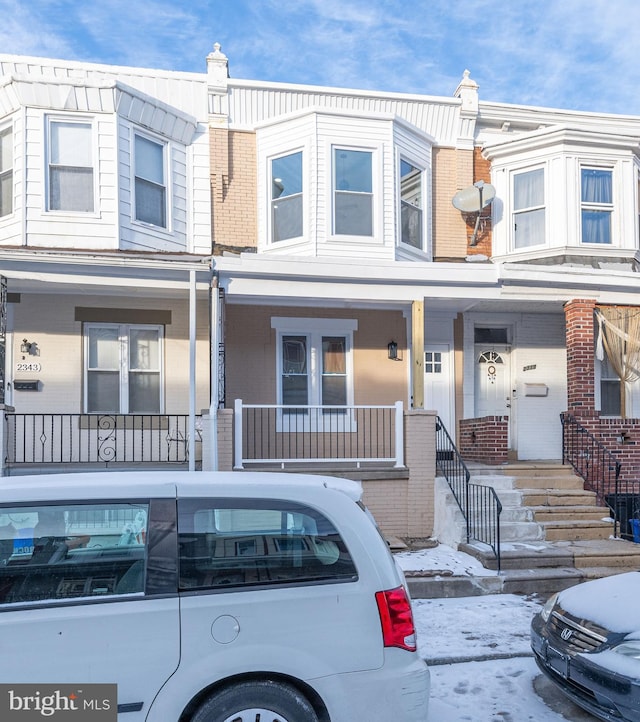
[(396, 619)]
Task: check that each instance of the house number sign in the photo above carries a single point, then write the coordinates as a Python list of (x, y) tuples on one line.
[(29, 366)]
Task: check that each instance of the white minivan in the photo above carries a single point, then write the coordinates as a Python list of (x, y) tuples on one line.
[(203, 597)]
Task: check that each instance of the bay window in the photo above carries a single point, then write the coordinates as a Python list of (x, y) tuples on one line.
[(70, 171), (528, 208), (353, 192), (6, 172), (123, 368), (150, 182), (597, 204), (286, 197)]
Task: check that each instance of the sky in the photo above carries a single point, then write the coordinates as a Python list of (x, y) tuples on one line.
[(572, 54)]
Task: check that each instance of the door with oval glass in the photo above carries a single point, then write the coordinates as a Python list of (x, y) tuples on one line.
[(493, 382)]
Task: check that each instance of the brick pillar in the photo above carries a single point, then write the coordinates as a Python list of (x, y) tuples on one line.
[(580, 357), (420, 459)]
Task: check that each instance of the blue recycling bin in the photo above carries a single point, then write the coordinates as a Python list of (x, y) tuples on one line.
[(635, 529)]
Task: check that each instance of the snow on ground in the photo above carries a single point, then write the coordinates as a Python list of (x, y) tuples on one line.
[(478, 651)]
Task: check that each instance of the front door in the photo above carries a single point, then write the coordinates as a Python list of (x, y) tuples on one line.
[(437, 384), (493, 382)]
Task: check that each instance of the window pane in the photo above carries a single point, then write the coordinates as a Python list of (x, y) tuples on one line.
[(249, 543), (71, 189), (150, 203), (6, 150), (103, 392), (411, 225), (529, 228), (71, 144), (144, 393), (54, 552), (286, 175), (353, 170), (6, 193), (610, 398), (294, 391), (528, 189), (144, 347), (287, 218), (334, 390), (596, 186), (104, 348), (149, 160), (596, 226), (354, 214), (334, 357), (294, 354)]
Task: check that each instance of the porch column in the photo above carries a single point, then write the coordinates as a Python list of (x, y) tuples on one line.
[(417, 354), (580, 357), (420, 458)]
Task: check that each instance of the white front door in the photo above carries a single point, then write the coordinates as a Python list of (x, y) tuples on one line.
[(437, 384), (493, 381)]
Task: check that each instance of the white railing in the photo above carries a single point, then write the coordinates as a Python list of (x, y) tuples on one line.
[(273, 433)]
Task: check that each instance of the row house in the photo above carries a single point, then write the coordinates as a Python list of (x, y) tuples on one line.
[(104, 265), (211, 272)]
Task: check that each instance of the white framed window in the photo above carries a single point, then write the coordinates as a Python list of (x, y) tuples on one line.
[(528, 208), (123, 368), (286, 200), (150, 181), (610, 389), (71, 166), (411, 204), (314, 369), (352, 192), (596, 194), (6, 172)]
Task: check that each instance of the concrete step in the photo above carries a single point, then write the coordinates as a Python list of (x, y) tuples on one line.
[(568, 513), (557, 497), (549, 482), (570, 531)]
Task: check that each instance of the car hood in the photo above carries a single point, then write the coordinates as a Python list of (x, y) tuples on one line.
[(611, 602)]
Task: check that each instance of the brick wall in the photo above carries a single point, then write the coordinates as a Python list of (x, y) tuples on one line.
[(485, 439), (452, 171), (233, 190), (580, 356), (481, 171)]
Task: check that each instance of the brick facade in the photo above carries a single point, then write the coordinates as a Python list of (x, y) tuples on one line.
[(580, 357), (485, 439)]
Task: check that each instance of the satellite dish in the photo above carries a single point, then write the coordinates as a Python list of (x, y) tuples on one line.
[(473, 200)]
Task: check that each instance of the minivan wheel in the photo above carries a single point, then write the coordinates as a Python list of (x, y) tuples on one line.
[(259, 701)]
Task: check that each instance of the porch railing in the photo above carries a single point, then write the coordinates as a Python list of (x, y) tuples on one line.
[(272, 433), (600, 470), (479, 503), (96, 438)]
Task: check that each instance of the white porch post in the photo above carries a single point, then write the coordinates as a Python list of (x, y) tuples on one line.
[(399, 435), (237, 434), (192, 371), (216, 336)]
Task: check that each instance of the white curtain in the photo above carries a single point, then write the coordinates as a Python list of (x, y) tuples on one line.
[(528, 204)]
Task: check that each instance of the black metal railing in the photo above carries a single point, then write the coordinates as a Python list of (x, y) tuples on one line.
[(600, 470), (479, 503), (97, 438)]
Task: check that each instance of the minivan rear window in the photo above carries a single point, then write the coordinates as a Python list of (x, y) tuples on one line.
[(247, 543)]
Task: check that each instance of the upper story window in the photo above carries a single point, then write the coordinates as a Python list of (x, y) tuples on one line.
[(528, 208), (597, 204), (150, 182), (123, 371), (71, 185), (6, 172), (353, 192), (411, 204), (286, 197)]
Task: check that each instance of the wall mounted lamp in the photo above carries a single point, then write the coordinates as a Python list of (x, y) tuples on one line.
[(622, 437), (392, 350), (29, 347)]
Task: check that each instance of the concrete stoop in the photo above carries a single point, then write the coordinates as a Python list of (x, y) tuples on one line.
[(553, 535)]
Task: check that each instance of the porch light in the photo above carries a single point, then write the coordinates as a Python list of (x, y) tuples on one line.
[(29, 347), (392, 349)]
